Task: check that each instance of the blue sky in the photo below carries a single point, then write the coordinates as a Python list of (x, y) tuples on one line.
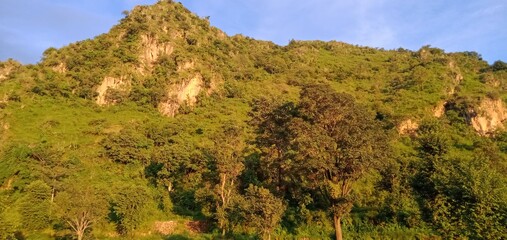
[(28, 27)]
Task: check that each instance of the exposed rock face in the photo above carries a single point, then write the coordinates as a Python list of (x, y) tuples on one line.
[(60, 68), (491, 80), (151, 50), (457, 77), (489, 116), (407, 127), (7, 68), (183, 93), (8, 184), (5, 71), (186, 65), (110, 83)]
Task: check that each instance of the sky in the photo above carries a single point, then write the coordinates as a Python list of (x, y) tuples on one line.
[(28, 27)]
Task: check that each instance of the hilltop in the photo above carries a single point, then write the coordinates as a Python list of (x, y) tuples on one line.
[(141, 116)]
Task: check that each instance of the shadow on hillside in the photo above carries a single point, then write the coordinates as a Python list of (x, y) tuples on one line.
[(177, 237)]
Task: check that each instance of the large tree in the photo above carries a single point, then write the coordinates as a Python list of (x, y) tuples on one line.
[(329, 141), (272, 120), (337, 141)]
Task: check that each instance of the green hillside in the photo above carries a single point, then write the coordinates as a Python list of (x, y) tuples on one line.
[(167, 128)]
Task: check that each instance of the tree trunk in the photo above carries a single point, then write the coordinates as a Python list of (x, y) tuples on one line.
[(80, 235), (52, 194), (337, 227)]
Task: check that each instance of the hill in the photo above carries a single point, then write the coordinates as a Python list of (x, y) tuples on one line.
[(167, 128)]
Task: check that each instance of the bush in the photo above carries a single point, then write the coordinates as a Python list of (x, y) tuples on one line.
[(127, 146)]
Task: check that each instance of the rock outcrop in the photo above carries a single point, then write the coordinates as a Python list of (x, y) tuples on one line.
[(60, 68), (488, 117), (439, 110), (183, 93), (111, 83), (407, 127), (151, 51), (186, 66), (6, 69), (456, 76)]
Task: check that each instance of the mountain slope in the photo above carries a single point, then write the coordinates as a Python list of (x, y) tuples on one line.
[(139, 109)]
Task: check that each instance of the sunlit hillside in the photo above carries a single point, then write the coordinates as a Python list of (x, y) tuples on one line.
[(167, 128)]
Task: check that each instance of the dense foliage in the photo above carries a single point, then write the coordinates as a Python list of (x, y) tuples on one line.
[(282, 142)]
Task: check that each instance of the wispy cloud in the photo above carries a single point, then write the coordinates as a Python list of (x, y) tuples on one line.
[(28, 27)]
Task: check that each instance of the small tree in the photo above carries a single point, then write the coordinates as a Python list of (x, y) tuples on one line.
[(50, 164), (263, 210), (227, 158), (80, 206)]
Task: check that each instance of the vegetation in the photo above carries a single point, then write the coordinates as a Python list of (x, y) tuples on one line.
[(313, 140)]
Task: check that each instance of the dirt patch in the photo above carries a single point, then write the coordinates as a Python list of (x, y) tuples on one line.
[(166, 227), (196, 226), (175, 227)]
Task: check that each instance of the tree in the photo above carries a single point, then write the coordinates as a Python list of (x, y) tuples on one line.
[(498, 66), (51, 165), (461, 193), (470, 200), (337, 142), (329, 142), (273, 139), (263, 210), (227, 157), (433, 145), (80, 206)]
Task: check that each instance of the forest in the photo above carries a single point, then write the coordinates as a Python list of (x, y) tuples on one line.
[(168, 128)]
